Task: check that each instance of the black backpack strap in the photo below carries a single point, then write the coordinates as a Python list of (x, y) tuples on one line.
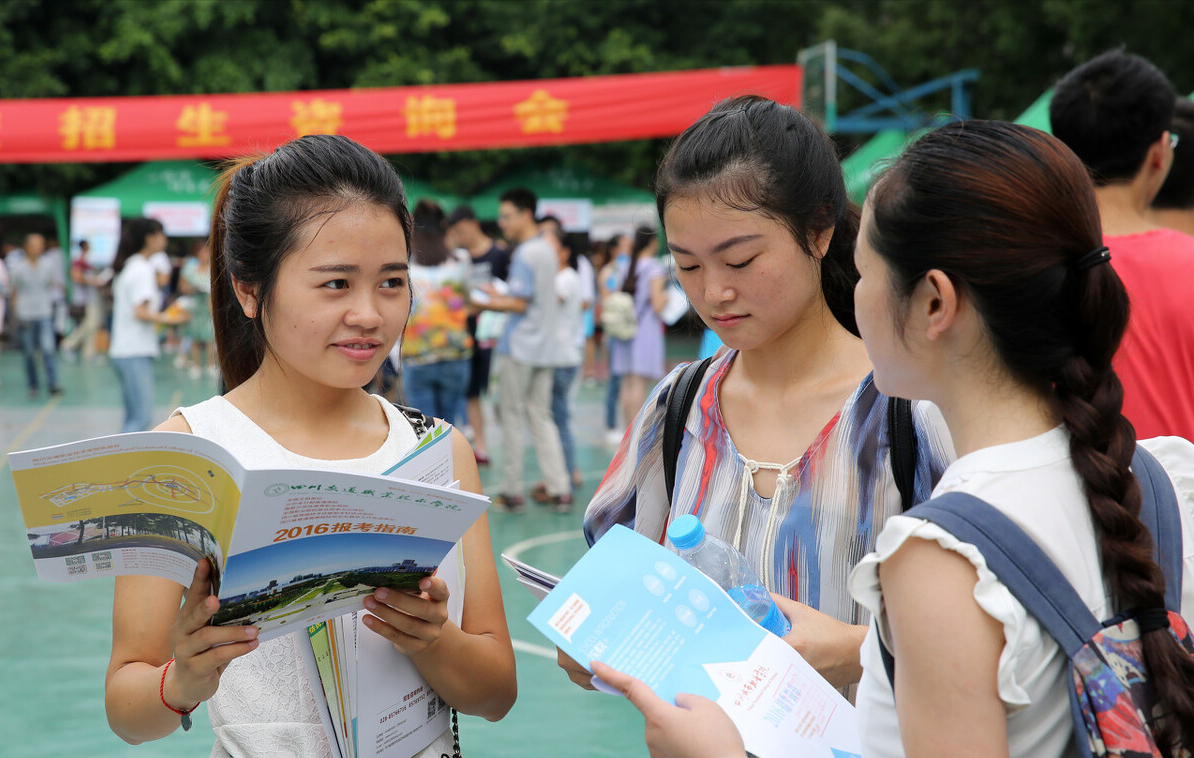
[(901, 436), (420, 422), (1159, 513), (679, 402)]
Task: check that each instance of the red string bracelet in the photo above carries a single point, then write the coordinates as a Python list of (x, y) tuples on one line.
[(186, 715)]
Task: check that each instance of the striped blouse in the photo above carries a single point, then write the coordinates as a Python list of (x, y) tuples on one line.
[(803, 540)]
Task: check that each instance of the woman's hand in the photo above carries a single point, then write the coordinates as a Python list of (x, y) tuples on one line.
[(579, 675), (830, 646), (201, 651), (411, 621), (693, 728)]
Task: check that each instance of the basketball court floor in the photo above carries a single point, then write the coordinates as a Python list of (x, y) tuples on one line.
[(55, 638)]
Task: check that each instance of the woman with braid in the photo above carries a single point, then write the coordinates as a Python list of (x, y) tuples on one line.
[(985, 288)]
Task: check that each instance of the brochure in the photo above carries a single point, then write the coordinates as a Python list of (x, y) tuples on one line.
[(643, 610), (373, 701), (305, 547), (539, 582)]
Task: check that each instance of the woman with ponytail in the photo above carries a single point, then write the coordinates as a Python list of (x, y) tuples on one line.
[(985, 287), (785, 451), (309, 293)]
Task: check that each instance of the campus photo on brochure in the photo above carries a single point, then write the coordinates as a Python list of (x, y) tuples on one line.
[(308, 547)]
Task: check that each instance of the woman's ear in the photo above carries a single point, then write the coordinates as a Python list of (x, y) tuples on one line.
[(936, 299), (246, 295), (821, 243)]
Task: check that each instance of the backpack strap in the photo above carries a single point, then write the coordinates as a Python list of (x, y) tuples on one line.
[(901, 436), (420, 422), (1018, 562), (1159, 512), (679, 402)]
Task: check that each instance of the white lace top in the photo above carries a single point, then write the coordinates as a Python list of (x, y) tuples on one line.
[(1034, 483), (264, 706)]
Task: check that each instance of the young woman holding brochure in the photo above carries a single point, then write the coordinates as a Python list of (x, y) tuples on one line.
[(986, 289), (786, 451), (309, 292)]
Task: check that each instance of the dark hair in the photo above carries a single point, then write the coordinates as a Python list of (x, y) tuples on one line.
[(458, 214), (427, 246), (133, 239), (1178, 190), (756, 155), (521, 198), (263, 203), (644, 238), (1109, 111), (1005, 211), (552, 219)]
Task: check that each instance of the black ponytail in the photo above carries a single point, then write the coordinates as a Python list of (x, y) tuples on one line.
[(756, 155)]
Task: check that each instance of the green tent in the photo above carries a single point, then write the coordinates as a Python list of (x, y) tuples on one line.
[(862, 165), (560, 184), (31, 204), (158, 182), (1037, 114), (416, 190)]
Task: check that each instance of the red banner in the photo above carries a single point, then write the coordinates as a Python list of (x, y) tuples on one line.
[(388, 120)]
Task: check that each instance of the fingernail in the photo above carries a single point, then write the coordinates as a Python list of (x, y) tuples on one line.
[(382, 595), (251, 631), (253, 643), (425, 585), (370, 603)]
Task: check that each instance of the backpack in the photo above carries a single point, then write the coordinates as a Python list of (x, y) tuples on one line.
[(900, 432), (618, 317), (1111, 702)]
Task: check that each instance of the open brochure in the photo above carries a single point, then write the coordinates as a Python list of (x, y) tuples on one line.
[(643, 610), (373, 701), (306, 546)]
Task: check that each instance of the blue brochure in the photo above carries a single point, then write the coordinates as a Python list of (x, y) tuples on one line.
[(642, 609)]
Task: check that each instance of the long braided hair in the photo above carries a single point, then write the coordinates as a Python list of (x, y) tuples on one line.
[(1005, 211)]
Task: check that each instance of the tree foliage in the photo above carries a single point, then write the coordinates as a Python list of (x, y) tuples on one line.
[(141, 47)]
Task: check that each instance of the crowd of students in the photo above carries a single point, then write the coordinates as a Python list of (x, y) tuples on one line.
[(1038, 321)]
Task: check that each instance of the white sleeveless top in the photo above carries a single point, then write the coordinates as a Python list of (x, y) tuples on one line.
[(264, 705)]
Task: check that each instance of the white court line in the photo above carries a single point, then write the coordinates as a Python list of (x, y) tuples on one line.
[(514, 551), (539, 650), (543, 539)]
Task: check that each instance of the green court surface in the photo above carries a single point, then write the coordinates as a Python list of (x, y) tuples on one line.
[(56, 637)]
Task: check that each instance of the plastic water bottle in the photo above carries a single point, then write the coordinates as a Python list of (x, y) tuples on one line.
[(718, 560)]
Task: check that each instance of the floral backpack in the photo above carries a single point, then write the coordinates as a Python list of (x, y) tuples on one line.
[(1111, 701)]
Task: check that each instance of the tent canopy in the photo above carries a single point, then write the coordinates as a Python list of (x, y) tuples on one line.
[(416, 190), (861, 166), (1037, 114), (33, 204), (560, 183), (160, 181)]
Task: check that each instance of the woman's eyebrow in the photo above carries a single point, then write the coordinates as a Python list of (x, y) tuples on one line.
[(349, 268), (720, 246)]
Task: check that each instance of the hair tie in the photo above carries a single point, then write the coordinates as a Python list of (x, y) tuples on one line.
[(1152, 619), (1092, 259)]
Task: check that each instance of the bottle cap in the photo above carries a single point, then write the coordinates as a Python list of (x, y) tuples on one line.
[(686, 531)]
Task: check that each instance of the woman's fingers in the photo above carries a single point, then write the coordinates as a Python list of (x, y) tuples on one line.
[(640, 695), (410, 621)]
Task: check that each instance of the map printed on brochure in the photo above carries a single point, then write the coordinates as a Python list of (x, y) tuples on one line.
[(305, 546), (643, 610)]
